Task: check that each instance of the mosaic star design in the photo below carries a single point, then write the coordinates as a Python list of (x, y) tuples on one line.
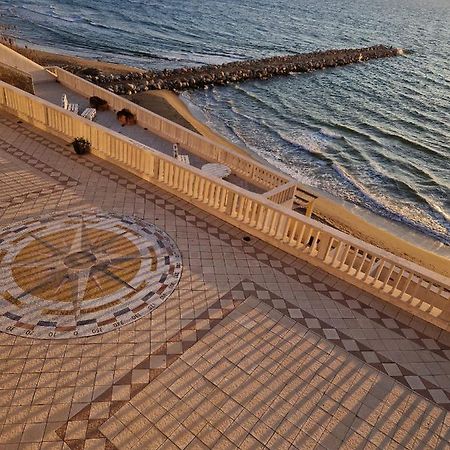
[(83, 274)]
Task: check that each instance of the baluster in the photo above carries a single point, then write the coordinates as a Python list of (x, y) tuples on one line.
[(287, 228), (300, 238), (164, 175), (218, 197), (337, 252), (201, 187), (212, 195), (407, 283), (156, 166), (363, 260), (166, 172), (386, 281), (350, 267), (150, 166), (237, 202), (206, 187), (314, 243), (187, 181), (242, 204), (416, 286), (275, 223), (399, 277), (245, 210), (131, 156), (293, 231), (369, 269), (254, 217), (223, 200), (123, 155), (324, 246), (182, 180), (176, 179), (267, 221), (196, 187), (169, 169), (378, 272), (345, 256), (138, 159), (261, 217), (183, 184)]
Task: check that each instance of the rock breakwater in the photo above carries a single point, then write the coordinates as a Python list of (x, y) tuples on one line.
[(260, 69)]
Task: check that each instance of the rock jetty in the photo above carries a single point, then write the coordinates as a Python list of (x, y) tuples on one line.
[(218, 75)]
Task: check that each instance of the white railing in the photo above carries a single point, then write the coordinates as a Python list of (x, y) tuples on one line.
[(243, 166), (283, 194), (411, 287)]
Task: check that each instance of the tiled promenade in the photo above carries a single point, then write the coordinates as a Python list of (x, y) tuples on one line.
[(253, 349)]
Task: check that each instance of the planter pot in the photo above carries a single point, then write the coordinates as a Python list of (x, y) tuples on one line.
[(81, 147)]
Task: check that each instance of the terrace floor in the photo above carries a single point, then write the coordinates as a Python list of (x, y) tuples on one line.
[(52, 92), (243, 346)]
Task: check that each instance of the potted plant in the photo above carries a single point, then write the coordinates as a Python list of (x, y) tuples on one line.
[(81, 145)]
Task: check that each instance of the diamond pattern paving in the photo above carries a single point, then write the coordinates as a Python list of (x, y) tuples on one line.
[(253, 349), (261, 380)]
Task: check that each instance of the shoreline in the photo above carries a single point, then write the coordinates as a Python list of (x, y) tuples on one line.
[(335, 212)]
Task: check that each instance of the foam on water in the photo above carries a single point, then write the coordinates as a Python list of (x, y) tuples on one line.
[(374, 133)]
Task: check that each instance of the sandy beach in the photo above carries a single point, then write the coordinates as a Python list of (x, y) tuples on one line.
[(333, 211)]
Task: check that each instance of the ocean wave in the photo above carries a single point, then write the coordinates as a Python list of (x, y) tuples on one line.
[(388, 155), (412, 170), (316, 143), (313, 143), (261, 100), (52, 14), (410, 143), (374, 133), (357, 132), (435, 226), (330, 134)]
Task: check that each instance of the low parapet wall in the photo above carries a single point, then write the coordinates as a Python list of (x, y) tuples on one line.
[(246, 167), (11, 58), (419, 291)]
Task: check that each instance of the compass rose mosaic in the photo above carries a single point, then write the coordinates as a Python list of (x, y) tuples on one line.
[(83, 274)]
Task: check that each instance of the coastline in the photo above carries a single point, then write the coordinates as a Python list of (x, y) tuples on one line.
[(336, 212), (333, 211)]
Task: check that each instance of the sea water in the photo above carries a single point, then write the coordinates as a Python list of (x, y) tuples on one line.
[(376, 134)]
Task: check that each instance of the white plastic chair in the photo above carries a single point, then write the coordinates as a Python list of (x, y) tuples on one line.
[(89, 113)]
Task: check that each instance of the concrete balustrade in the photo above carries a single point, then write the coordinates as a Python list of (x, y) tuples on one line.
[(407, 285), (283, 194)]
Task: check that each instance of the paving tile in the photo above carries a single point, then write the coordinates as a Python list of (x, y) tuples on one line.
[(86, 384)]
